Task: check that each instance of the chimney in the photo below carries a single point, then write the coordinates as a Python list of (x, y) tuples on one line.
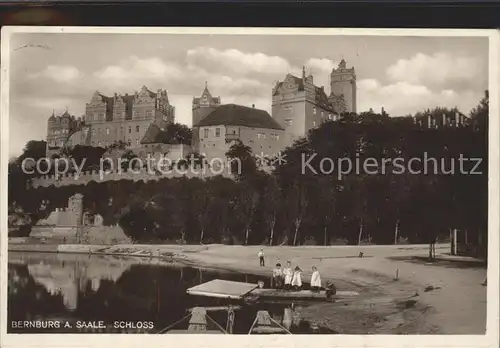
[(382, 111), (253, 106), (444, 120)]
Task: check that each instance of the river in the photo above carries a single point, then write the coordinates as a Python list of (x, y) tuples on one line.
[(82, 289)]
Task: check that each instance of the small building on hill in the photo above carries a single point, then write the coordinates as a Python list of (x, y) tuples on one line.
[(152, 145), (255, 128)]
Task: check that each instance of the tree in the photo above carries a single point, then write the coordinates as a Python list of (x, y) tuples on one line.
[(479, 114), (129, 161), (176, 133), (242, 162), (34, 149)]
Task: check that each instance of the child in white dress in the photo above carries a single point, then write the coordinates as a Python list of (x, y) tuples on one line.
[(288, 274), (315, 280), (297, 279)]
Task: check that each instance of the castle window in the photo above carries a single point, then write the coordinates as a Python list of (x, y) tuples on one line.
[(314, 123), (314, 110), (96, 116), (101, 116), (137, 129), (121, 129), (129, 129), (258, 135), (322, 114), (217, 132), (137, 141), (107, 131), (99, 144), (329, 116), (289, 121), (205, 133), (100, 130), (93, 131), (107, 143)]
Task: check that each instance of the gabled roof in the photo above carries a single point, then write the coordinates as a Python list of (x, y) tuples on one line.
[(238, 115), (321, 98), (297, 80), (206, 93), (146, 90), (152, 135)]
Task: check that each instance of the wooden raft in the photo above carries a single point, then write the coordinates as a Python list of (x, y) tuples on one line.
[(222, 289)]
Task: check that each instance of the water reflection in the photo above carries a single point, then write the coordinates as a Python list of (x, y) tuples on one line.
[(104, 288)]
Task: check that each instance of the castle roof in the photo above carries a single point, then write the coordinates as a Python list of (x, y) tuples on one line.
[(238, 115), (153, 135), (297, 80), (321, 98), (206, 95), (151, 94)]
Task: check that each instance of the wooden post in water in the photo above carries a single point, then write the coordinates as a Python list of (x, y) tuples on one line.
[(230, 320), (198, 321)]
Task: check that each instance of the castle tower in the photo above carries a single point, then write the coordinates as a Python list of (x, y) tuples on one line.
[(204, 105), (299, 106), (59, 129), (75, 209), (343, 83)]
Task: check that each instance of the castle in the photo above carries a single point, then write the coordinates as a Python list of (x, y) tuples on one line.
[(121, 118), (136, 120), (298, 105)]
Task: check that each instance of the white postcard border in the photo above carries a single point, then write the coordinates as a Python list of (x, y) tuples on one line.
[(318, 341)]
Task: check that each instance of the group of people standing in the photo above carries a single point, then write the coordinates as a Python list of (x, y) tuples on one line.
[(291, 279)]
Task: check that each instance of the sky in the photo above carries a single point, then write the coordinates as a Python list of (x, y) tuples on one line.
[(59, 71)]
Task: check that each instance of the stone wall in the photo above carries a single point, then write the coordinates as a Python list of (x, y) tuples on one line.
[(98, 235), (144, 175)]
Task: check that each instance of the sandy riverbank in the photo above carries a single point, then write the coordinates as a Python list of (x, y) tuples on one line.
[(457, 305)]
